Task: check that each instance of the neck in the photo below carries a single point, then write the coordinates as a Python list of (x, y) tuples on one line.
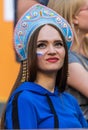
[(46, 80), (77, 45)]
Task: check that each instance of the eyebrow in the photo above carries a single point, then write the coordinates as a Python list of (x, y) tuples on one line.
[(47, 41)]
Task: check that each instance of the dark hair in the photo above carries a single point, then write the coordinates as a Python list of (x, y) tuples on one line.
[(31, 66)]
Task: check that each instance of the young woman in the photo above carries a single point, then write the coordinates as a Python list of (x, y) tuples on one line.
[(76, 13), (38, 100)]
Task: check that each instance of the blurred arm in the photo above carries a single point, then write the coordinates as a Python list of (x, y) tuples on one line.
[(78, 78)]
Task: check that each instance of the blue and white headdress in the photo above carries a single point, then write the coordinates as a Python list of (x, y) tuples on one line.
[(35, 17)]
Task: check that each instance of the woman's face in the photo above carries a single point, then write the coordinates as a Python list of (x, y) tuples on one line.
[(50, 49), (82, 17)]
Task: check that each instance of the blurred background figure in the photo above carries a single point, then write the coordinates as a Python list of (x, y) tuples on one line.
[(76, 13), (21, 6)]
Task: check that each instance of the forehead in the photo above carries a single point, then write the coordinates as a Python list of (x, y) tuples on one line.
[(49, 32)]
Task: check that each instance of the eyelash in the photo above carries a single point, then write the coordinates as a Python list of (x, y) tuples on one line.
[(43, 45), (59, 43)]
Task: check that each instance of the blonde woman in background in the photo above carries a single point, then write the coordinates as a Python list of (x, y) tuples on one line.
[(76, 13)]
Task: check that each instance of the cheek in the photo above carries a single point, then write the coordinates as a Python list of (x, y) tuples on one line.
[(83, 20), (39, 59), (39, 54), (62, 56), (62, 53)]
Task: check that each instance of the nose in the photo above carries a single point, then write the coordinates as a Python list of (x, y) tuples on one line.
[(51, 50)]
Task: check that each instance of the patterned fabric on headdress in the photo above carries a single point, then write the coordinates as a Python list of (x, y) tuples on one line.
[(35, 17)]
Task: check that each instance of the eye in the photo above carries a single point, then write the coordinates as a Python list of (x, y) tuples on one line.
[(59, 44), (41, 45)]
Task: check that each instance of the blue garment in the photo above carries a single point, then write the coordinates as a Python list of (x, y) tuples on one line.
[(74, 58), (34, 111)]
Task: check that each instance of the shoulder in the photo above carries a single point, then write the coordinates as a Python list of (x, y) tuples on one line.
[(71, 102), (68, 95), (70, 99), (77, 64), (23, 92), (73, 57)]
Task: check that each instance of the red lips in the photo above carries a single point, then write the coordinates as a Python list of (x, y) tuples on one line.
[(52, 60)]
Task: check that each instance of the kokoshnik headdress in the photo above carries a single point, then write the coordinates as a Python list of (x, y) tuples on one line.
[(35, 17)]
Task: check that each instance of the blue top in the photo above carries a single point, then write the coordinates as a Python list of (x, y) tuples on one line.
[(30, 109), (74, 58)]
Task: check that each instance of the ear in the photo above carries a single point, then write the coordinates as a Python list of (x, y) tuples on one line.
[(75, 20)]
